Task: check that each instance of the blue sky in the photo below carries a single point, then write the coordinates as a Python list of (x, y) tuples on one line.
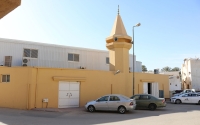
[(169, 31)]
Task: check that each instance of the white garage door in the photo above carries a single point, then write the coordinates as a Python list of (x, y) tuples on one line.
[(68, 95)]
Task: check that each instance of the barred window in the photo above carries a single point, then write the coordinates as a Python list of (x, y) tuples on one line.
[(5, 78), (73, 57), (31, 53)]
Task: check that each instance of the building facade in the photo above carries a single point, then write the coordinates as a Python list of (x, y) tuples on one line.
[(174, 80), (55, 56), (190, 73), (45, 85)]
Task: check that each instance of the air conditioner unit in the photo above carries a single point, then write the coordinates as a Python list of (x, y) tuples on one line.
[(82, 67), (25, 62)]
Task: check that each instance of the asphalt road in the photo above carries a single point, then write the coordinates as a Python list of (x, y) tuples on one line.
[(173, 114)]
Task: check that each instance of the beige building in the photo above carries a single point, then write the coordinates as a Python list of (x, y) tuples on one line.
[(190, 74), (37, 87), (6, 6)]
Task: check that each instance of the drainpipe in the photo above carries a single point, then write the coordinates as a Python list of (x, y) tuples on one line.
[(28, 91), (27, 98), (36, 88)]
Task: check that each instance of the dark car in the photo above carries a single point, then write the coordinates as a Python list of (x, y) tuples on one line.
[(148, 101)]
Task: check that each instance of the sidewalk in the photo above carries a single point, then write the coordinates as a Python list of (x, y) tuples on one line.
[(78, 109)]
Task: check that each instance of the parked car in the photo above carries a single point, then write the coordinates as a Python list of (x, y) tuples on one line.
[(186, 98), (148, 101), (185, 91), (112, 102)]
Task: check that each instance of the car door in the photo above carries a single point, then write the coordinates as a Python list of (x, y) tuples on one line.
[(184, 98), (114, 103), (102, 103), (136, 97), (190, 98), (194, 98), (144, 100)]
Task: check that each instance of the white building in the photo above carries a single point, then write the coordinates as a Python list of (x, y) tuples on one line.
[(190, 73), (19, 53), (174, 80)]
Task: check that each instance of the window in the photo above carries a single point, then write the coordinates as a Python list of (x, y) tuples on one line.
[(105, 98), (144, 97), (107, 60), (136, 97), (5, 78), (185, 95), (114, 98), (31, 53), (73, 57), (8, 61), (194, 95)]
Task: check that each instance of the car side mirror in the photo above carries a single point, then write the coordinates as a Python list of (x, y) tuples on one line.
[(97, 100)]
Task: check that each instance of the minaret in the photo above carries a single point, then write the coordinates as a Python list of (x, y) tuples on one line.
[(119, 44)]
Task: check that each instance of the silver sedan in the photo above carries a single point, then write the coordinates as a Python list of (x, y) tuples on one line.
[(112, 102)]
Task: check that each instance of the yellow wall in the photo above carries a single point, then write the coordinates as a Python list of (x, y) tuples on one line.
[(162, 80), (94, 84), (28, 86), (14, 94)]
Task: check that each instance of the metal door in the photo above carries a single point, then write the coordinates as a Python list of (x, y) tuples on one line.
[(68, 94), (161, 94), (145, 88), (155, 89)]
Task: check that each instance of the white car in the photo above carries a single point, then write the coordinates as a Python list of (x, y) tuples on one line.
[(185, 91), (186, 98), (112, 102)]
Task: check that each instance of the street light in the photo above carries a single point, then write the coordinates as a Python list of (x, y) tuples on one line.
[(137, 25)]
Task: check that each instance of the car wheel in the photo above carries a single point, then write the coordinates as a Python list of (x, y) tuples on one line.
[(178, 101), (91, 108), (121, 109), (198, 102), (152, 107)]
